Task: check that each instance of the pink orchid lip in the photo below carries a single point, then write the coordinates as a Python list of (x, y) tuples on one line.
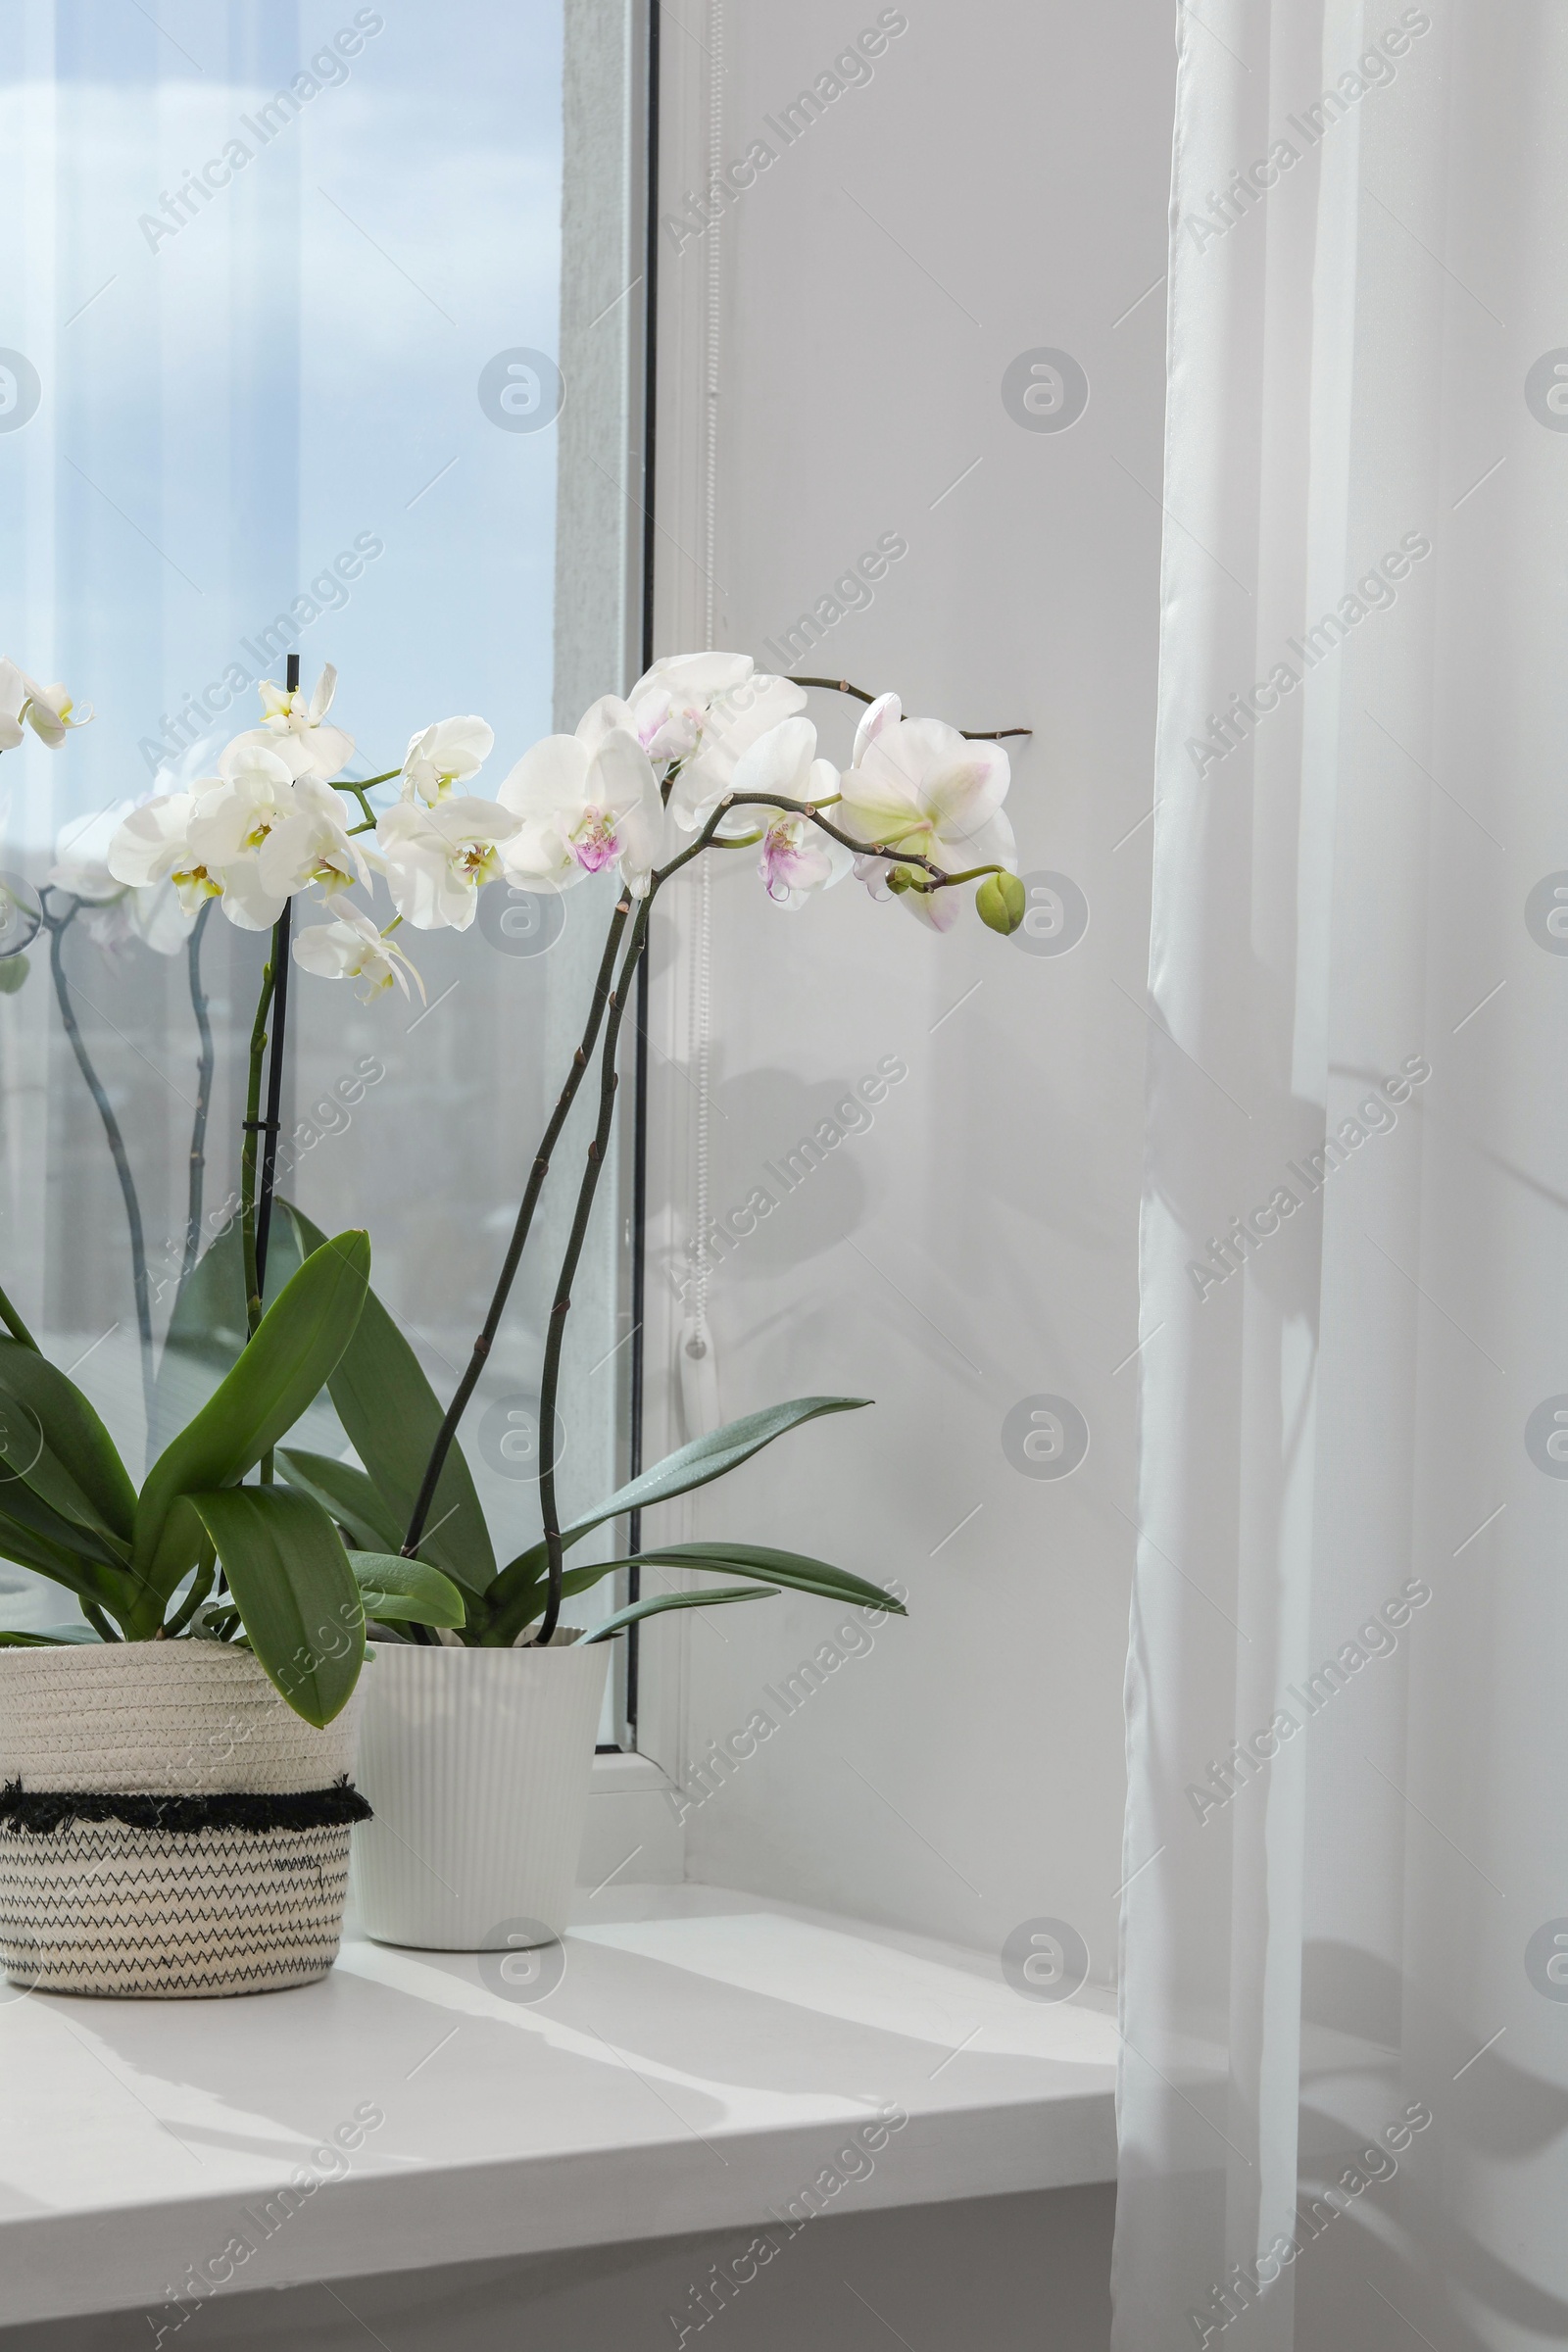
[(596, 851), (788, 864)]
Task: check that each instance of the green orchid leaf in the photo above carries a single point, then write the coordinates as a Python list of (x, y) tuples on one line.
[(58, 1560), (655, 1605), (396, 1590), (392, 1415), (791, 1568), (181, 1546), (296, 1593), (37, 1489), (207, 1331), (88, 1580), (10, 1639), (96, 1556), (75, 1446), (794, 1569), (295, 1347), (355, 1501), (693, 1465)]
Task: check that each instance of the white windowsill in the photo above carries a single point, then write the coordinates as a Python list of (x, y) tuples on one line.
[(613, 1774), (703, 2059)]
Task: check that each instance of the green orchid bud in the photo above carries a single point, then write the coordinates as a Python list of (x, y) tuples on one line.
[(1000, 902), (13, 972)]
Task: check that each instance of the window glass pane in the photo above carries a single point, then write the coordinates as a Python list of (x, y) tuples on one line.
[(283, 329)]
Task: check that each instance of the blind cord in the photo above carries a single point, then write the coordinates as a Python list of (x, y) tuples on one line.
[(699, 1367)]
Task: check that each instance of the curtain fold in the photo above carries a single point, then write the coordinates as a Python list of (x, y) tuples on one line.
[(1345, 2080)]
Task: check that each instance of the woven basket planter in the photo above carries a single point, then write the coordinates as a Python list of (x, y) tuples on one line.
[(168, 1826)]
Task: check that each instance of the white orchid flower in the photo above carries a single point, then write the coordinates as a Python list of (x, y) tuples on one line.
[(153, 845), (450, 753), (296, 730), (350, 948), (583, 802), (734, 723), (670, 701), (48, 710), (797, 857), (52, 714), (13, 702), (437, 858), (917, 785), (235, 814), (311, 843), (699, 713), (115, 912)]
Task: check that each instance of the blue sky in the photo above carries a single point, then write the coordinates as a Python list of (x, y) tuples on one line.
[(229, 405)]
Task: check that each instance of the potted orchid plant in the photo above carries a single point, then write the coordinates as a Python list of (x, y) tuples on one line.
[(483, 1704)]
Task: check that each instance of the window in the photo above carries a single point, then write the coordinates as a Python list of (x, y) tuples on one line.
[(293, 297)]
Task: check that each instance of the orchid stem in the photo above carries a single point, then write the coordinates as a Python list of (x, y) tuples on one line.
[(256, 1214), (519, 1235), (594, 1168), (597, 1154), (614, 1002), (57, 926), (274, 1092), (969, 734), (941, 879), (247, 1158), (204, 1100), (346, 784)]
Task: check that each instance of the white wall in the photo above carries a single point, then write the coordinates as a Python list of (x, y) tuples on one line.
[(999, 185)]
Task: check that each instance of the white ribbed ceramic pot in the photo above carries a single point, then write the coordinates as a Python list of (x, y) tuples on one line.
[(107, 1903), (476, 1765)]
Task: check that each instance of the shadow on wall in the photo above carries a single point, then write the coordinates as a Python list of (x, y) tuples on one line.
[(791, 1176)]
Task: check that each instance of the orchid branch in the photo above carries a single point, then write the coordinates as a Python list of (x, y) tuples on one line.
[(598, 1148), (940, 878), (251, 1128), (969, 734), (274, 1092), (204, 1100), (562, 1305), (256, 1214), (255, 1204), (57, 926), (359, 791), (614, 1002), (519, 1235)]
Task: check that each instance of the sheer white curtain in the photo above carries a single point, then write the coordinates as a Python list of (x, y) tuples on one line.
[(1345, 2087)]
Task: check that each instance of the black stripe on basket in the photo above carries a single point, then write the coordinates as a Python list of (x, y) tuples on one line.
[(43, 1810)]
